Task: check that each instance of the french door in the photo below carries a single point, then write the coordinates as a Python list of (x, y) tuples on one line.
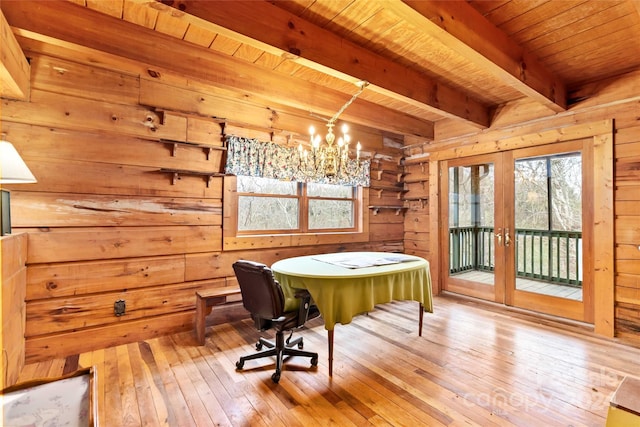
[(514, 227)]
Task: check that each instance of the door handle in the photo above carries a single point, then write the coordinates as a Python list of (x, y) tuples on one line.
[(499, 236), (507, 238)]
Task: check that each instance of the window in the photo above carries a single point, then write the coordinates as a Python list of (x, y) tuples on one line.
[(269, 206)]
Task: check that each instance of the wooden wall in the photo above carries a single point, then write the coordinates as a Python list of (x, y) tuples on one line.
[(13, 272), (109, 219), (515, 122)]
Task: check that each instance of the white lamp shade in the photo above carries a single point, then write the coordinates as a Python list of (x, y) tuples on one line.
[(13, 169)]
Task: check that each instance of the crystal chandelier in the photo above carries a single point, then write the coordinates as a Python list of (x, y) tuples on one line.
[(330, 160)]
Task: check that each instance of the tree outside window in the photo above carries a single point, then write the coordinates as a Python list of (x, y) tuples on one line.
[(271, 206)]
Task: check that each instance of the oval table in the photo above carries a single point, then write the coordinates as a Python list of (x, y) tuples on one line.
[(349, 283)]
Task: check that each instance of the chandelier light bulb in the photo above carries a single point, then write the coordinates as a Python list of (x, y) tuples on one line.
[(328, 162)]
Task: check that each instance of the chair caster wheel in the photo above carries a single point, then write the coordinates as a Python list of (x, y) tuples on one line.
[(300, 345), (258, 346), (314, 361), (239, 364), (275, 377)]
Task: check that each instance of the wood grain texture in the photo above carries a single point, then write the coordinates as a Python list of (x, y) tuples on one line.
[(78, 278), (475, 365), (123, 39), (68, 244), (35, 209), (13, 272), (266, 23), (14, 67), (104, 220), (61, 345), (76, 313)]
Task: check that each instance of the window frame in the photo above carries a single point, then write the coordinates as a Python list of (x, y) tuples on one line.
[(235, 239), (303, 199), (356, 199)]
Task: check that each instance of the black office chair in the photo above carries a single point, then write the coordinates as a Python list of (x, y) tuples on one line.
[(262, 296)]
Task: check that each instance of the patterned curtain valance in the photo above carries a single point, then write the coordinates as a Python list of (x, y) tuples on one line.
[(250, 157)]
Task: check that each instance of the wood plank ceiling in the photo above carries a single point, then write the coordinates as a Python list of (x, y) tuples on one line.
[(428, 60)]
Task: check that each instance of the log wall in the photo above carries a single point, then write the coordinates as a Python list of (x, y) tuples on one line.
[(109, 220)]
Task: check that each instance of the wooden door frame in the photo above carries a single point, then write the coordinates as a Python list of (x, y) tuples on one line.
[(493, 293), (602, 254), (576, 310)]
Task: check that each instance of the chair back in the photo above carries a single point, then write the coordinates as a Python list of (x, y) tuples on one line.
[(261, 293)]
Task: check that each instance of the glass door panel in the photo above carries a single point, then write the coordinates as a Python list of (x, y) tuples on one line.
[(512, 228), (471, 215), (548, 225), (545, 257)]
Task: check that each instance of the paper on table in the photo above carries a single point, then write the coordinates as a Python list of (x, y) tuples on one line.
[(358, 260)]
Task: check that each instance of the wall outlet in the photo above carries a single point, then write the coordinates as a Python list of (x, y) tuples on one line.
[(119, 307)]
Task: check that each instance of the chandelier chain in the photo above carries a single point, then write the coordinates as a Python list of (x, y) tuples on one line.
[(362, 85)]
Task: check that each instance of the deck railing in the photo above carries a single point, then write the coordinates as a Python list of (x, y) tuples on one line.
[(549, 255), (471, 248)]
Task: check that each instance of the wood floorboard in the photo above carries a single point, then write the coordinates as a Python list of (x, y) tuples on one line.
[(475, 365), (524, 284)]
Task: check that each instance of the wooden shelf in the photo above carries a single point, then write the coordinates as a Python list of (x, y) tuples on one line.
[(175, 174), (402, 181), (379, 172), (398, 209), (206, 148), (417, 163), (415, 181), (423, 200), (423, 182), (380, 189)]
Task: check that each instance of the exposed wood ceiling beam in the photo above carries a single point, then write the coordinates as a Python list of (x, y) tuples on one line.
[(462, 28), (14, 68), (267, 27), (71, 23)]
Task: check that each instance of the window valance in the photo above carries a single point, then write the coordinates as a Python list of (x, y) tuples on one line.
[(250, 157)]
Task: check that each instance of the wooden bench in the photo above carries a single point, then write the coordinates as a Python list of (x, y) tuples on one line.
[(205, 300)]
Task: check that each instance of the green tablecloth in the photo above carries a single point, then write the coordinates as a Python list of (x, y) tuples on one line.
[(341, 293)]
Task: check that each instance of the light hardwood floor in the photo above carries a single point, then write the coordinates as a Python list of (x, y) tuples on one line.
[(475, 364)]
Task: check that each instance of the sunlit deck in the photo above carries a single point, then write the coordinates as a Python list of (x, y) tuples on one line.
[(535, 286)]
